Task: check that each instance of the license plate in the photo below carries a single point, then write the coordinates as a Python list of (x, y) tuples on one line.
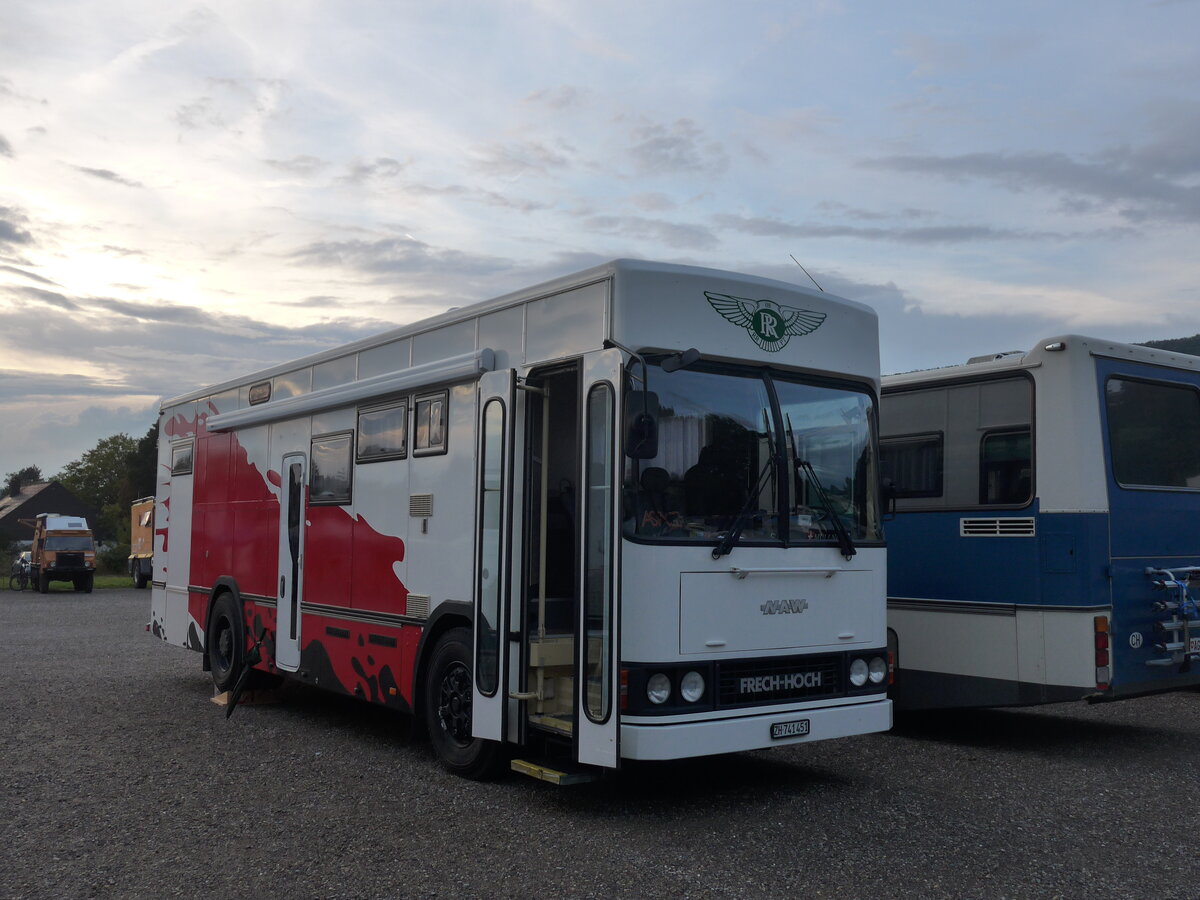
[(1194, 645), (789, 729)]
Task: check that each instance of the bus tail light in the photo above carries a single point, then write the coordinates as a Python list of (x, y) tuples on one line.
[(624, 693), (1103, 667)]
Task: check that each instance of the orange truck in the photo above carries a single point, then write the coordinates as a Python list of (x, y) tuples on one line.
[(141, 541), (63, 550)]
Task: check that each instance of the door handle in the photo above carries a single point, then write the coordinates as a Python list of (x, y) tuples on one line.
[(282, 584)]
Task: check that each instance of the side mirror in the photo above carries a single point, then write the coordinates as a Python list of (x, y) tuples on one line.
[(680, 360), (641, 424)]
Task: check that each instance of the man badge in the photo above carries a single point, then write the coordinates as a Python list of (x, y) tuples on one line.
[(768, 323)]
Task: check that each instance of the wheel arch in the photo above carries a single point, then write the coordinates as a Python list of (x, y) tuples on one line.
[(223, 585), (448, 615)]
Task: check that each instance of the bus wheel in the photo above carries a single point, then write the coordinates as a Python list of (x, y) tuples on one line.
[(224, 643), (448, 710)]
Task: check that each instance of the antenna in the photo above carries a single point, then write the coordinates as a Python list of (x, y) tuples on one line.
[(805, 271)]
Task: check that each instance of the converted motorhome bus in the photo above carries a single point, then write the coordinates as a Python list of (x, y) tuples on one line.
[(1046, 511), (629, 514)]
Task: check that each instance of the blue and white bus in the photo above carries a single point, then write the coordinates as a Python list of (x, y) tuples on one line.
[(1046, 522)]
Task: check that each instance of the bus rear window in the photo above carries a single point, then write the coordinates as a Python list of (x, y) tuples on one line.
[(1154, 433)]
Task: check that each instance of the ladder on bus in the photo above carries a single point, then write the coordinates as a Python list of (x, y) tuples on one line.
[(1179, 633)]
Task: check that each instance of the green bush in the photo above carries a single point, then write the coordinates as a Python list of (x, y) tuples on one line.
[(113, 559)]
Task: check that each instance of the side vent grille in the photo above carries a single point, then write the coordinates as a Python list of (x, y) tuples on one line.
[(420, 506), (418, 606), (1004, 527)]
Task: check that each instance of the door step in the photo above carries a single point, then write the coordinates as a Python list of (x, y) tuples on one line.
[(554, 776), (261, 697)]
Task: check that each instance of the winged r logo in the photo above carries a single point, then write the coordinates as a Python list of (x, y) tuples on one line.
[(771, 325)]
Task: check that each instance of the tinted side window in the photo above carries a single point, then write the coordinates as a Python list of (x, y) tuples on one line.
[(1154, 433), (383, 433), (1005, 468), (332, 465), (181, 459), (429, 423), (914, 464)]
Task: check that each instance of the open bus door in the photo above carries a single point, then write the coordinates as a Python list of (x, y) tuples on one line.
[(545, 595), (493, 553), (598, 626)]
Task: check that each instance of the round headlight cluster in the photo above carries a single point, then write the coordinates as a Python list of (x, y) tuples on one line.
[(874, 670), (859, 672), (658, 688)]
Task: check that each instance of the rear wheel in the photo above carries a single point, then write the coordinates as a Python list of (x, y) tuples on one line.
[(43, 583), (447, 705), (225, 643)]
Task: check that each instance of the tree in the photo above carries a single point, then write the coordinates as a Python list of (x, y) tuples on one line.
[(143, 470), (102, 475), (14, 481)]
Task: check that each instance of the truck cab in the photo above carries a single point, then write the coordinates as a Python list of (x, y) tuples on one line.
[(63, 550)]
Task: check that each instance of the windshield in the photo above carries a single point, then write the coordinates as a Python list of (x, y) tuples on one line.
[(721, 440), (830, 429), (715, 438), (69, 542)]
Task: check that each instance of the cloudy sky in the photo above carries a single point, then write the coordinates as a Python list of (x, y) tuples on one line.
[(191, 192)]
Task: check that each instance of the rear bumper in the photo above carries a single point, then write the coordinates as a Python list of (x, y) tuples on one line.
[(678, 740)]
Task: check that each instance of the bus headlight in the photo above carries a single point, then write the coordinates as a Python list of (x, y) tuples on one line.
[(692, 687), (859, 672), (658, 688), (878, 669)]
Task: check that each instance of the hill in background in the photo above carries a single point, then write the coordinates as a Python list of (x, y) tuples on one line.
[(1177, 345)]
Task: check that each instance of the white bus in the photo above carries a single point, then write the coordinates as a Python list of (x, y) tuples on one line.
[(1045, 528), (628, 514)]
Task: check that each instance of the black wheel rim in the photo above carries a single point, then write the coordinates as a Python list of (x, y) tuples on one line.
[(454, 704), (223, 646)]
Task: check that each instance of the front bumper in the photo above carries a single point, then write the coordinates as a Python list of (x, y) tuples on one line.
[(707, 737)]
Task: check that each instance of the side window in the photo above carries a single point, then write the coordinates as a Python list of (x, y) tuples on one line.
[(1154, 433), (1005, 468), (429, 423), (383, 433), (332, 467), (914, 464), (181, 459)]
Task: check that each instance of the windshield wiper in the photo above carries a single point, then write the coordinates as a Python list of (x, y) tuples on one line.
[(735, 530), (845, 542)]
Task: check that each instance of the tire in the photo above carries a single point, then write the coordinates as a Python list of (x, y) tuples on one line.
[(16, 583), (447, 707), (89, 582), (225, 642), (140, 580), (43, 583)]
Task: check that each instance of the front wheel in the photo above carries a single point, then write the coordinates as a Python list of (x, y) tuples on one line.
[(448, 710), (225, 643)]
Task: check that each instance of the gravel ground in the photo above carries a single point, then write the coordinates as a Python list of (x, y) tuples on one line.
[(121, 779)]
